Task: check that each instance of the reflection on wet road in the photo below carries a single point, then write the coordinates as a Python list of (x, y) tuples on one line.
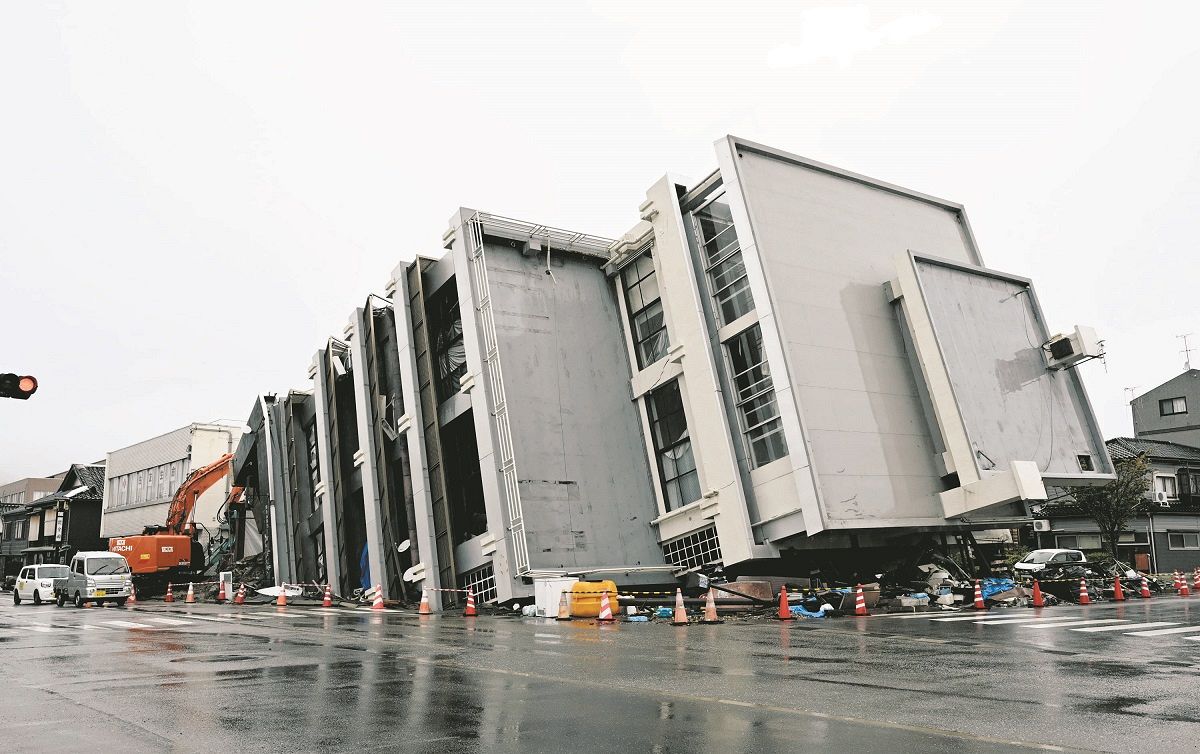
[(259, 679)]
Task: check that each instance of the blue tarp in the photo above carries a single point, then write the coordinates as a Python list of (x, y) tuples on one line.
[(988, 587)]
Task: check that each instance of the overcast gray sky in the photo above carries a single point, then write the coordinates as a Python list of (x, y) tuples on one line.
[(193, 196)]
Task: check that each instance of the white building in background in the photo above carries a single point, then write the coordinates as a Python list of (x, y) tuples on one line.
[(141, 479)]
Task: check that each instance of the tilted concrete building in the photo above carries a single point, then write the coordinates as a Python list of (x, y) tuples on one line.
[(780, 362)]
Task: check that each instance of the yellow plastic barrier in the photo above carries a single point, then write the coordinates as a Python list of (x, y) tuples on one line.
[(586, 596)]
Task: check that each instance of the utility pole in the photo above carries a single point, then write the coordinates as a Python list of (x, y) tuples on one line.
[(1187, 351), (1130, 393)]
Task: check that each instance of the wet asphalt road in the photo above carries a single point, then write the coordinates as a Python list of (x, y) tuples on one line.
[(212, 678)]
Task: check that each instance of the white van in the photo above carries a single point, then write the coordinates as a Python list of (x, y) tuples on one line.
[(36, 583)]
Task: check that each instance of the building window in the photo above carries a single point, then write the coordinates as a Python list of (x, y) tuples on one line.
[(722, 255), (162, 482), (694, 550), (314, 465), (1168, 485), (481, 582), (1183, 540), (1078, 541), (318, 541), (446, 334), (650, 341), (1172, 406), (673, 447), (755, 395)]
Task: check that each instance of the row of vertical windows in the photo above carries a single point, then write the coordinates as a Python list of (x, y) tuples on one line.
[(156, 484), (754, 393), (722, 255), (314, 466)]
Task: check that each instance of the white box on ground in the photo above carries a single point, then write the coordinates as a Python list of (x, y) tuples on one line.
[(547, 592), (226, 578)]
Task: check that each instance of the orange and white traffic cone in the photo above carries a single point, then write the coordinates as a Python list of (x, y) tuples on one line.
[(564, 608), (606, 615), (132, 595), (170, 595), (469, 611), (785, 611), (979, 603), (328, 601), (860, 602), (240, 597), (221, 593), (1084, 599), (1118, 592), (191, 595), (377, 603), (1196, 581), (423, 609), (710, 609), (1175, 581), (1145, 591), (680, 616), (1038, 599), (1184, 591), (281, 600)]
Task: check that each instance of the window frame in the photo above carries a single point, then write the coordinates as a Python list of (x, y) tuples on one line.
[(674, 450), (731, 289), (1173, 493), (661, 335), (1183, 535), (1165, 403), (753, 399)]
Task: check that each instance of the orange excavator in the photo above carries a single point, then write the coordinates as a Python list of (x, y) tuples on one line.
[(173, 552)]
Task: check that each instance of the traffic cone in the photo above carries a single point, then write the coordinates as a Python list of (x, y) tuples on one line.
[(680, 616), (132, 595), (1145, 592), (979, 603), (606, 615), (328, 601), (1084, 599), (377, 603), (1184, 591), (281, 600), (240, 597), (469, 611), (564, 608), (1038, 599), (710, 609), (785, 612), (191, 595), (1175, 582), (1118, 592), (221, 592), (424, 608), (860, 602), (1196, 581), (170, 595)]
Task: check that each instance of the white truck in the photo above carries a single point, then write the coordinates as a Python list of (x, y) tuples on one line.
[(95, 577)]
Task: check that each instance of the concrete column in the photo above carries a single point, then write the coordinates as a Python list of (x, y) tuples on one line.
[(324, 492), (364, 400)]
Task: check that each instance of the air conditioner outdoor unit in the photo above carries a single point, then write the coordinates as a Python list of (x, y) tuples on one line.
[(1160, 497), (1063, 351), (1041, 524)]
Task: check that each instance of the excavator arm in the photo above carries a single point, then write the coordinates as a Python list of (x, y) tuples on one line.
[(184, 502)]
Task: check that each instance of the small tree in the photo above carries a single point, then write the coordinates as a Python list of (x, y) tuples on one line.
[(1114, 504)]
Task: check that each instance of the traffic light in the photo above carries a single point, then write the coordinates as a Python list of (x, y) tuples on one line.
[(19, 386)]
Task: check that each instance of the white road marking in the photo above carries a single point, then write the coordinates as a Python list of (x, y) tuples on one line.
[(1022, 621), (1073, 623), (127, 624), (977, 617), (1124, 628), (1165, 631), (39, 629), (172, 621)]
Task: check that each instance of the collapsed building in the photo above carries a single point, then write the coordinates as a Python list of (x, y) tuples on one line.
[(780, 360)]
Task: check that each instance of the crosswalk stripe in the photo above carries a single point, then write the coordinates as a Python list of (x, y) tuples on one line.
[(127, 624), (39, 629), (1125, 628), (971, 617), (1073, 623), (171, 621), (1165, 631), (1020, 621)]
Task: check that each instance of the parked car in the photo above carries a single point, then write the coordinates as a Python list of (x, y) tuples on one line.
[(36, 583), (1048, 560), (95, 577)]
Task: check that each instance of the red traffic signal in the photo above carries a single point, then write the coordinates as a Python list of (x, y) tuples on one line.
[(19, 386)]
